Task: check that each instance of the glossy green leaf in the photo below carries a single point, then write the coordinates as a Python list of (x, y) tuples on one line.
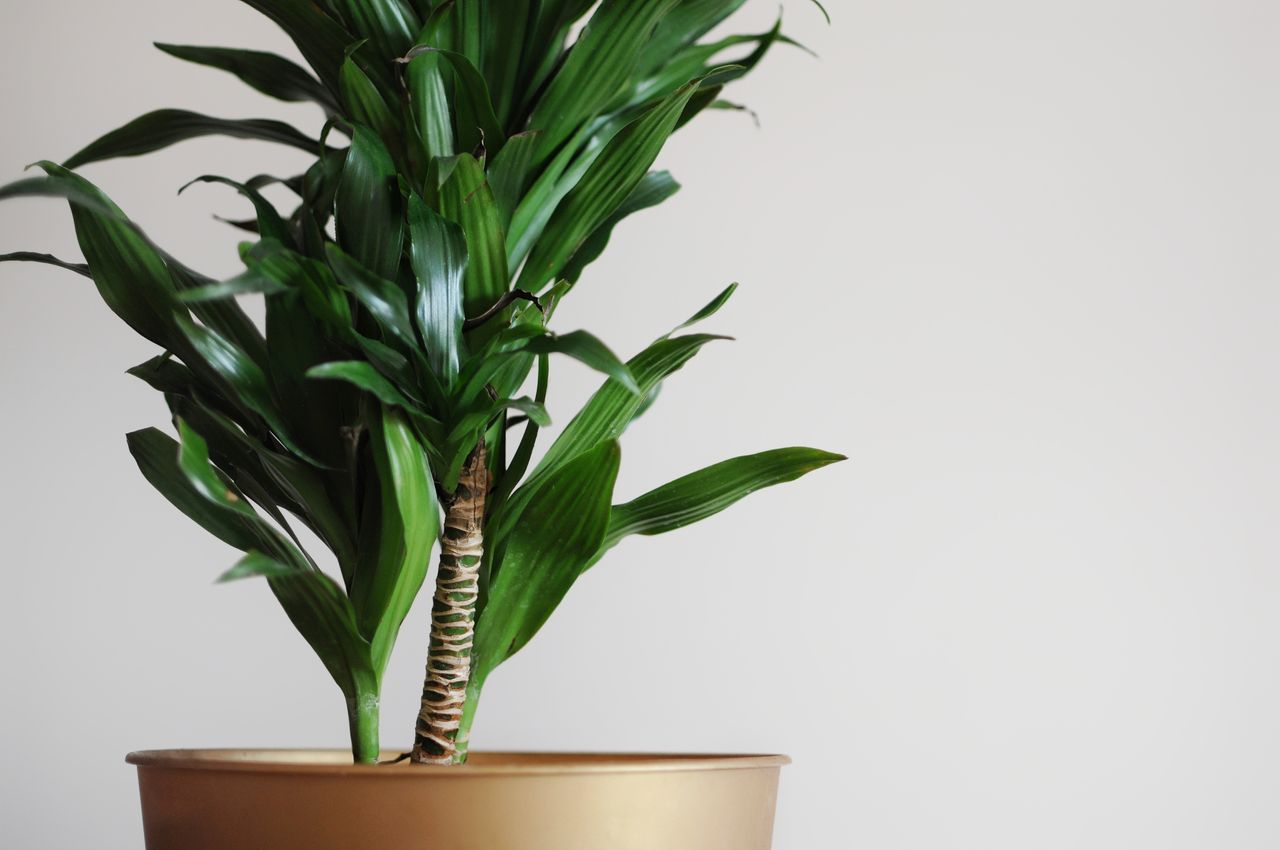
[(510, 172), (604, 187), (614, 406), (708, 491), (429, 104), (384, 300), (476, 124), (367, 106), (156, 454), (654, 188), (596, 68), (165, 127), (370, 219), (364, 376), (270, 224), (390, 25), (467, 199), (438, 256), (319, 37), (588, 350), (270, 74), (385, 587), (556, 535)]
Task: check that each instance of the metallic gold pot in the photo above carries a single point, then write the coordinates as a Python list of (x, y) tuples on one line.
[(318, 800)]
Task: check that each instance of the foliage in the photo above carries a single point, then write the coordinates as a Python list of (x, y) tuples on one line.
[(476, 158)]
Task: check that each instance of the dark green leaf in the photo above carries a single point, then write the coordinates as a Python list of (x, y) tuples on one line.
[(46, 259), (369, 207), (438, 255), (320, 38), (364, 376), (270, 74), (256, 565), (164, 127)]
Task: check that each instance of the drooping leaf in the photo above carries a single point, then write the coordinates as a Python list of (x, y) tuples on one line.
[(510, 172), (270, 224), (164, 127), (588, 350), (384, 300), (367, 105), (364, 376), (320, 38), (45, 259), (270, 74)]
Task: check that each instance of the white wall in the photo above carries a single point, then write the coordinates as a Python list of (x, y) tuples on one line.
[(1017, 259)]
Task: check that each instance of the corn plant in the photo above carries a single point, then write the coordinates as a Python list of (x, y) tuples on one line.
[(477, 156)]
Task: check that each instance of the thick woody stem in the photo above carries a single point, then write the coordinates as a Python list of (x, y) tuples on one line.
[(444, 692)]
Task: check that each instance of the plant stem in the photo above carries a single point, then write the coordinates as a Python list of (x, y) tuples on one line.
[(444, 692), (362, 710)]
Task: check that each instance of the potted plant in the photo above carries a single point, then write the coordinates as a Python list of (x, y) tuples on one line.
[(476, 158)]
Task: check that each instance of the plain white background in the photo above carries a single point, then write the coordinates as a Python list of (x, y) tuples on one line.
[(1017, 259)]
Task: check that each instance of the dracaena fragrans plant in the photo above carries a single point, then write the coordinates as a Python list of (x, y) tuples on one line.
[(476, 158)]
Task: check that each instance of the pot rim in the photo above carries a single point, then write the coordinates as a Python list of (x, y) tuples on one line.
[(513, 763)]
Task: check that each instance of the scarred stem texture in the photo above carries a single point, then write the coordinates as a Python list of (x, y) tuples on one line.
[(444, 692)]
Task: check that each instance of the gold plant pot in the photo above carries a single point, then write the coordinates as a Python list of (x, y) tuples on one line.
[(318, 800)]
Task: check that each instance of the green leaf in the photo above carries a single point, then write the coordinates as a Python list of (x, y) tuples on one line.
[(681, 27), (429, 105), (256, 565), (270, 74), (245, 378), (477, 125), (708, 491), (604, 187), (438, 256), (596, 68), (251, 282), (558, 532), (364, 376), (320, 38), (588, 350), (654, 188), (46, 259), (389, 24), (467, 199), (385, 588), (384, 300), (366, 104), (156, 454), (369, 208), (270, 225), (712, 308), (510, 172), (164, 127), (608, 413)]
